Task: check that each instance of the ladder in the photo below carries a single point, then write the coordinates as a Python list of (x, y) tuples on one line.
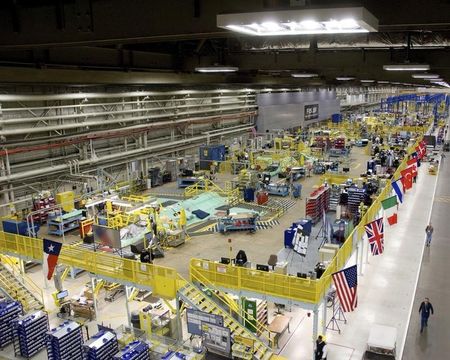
[(199, 300)]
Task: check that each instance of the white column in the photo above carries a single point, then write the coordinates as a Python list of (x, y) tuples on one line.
[(94, 297), (127, 305), (358, 265), (324, 316), (179, 324), (315, 329), (366, 240)]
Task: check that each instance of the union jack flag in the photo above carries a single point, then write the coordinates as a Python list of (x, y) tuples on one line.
[(375, 235)]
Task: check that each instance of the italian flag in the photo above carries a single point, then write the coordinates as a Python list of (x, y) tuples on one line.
[(390, 209)]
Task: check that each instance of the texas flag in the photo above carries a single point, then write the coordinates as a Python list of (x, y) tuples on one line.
[(51, 253)]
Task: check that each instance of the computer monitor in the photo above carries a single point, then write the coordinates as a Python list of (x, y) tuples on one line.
[(261, 267), (62, 294), (137, 247), (301, 275), (224, 260)]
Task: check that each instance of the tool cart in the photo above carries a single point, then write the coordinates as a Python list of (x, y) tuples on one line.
[(235, 222)]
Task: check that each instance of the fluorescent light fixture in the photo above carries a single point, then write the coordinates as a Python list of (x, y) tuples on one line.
[(407, 67), (304, 75), (383, 82), (301, 22), (425, 76), (441, 83), (367, 81), (216, 69), (345, 78), (435, 79)]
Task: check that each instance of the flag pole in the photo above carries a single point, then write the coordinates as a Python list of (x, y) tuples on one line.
[(367, 248)]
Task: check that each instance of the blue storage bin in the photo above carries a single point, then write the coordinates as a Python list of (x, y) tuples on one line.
[(288, 237), (249, 195)]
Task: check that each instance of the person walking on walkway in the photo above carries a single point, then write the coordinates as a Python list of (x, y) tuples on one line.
[(424, 311), (321, 350), (429, 231)]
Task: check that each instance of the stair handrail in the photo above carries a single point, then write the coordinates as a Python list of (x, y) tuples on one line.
[(261, 329), (9, 287), (28, 283)]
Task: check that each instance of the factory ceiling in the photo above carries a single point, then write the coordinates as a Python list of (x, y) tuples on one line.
[(172, 38)]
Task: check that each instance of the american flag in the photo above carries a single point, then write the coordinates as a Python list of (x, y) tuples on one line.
[(375, 235), (346, 282)]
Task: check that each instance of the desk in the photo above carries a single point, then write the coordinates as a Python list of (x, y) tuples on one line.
[(278, 326), (86, 311)]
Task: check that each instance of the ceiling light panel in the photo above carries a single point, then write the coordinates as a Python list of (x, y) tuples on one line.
[(345, 78), (301, 22), (216, 69), (425, 76), (407, 67), (304, 75)]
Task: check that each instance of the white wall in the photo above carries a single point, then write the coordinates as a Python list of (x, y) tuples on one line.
[(286, 110)]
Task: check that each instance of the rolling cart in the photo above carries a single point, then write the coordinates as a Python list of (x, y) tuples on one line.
[(236, 222)]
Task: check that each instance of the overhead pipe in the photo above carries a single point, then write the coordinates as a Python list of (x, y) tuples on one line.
[(83, 95), (33, 130), (83, 105), (107, 113), (111, 157), (110, 134)]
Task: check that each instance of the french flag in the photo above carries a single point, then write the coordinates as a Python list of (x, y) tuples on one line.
[(51, 253), (397, 185)]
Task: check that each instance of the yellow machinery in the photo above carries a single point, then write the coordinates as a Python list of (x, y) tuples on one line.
[(66, 200), (288, 143)]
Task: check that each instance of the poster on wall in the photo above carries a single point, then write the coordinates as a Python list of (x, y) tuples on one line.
[(311, 112), (216, 338), (195, 318)]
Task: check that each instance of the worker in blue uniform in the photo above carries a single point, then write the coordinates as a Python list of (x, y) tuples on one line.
[(424, 310)]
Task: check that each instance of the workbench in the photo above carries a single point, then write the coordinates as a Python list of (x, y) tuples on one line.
[(84, 310), (184, 182), (381, 343), (64, 223), (278, 326)]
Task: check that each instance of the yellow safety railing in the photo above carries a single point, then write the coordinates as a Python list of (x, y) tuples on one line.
[(118, 220), (269, 283), (137, 198), (162, 280)]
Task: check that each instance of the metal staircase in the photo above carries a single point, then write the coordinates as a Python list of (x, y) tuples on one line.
[(20, 288), (196, 298)]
